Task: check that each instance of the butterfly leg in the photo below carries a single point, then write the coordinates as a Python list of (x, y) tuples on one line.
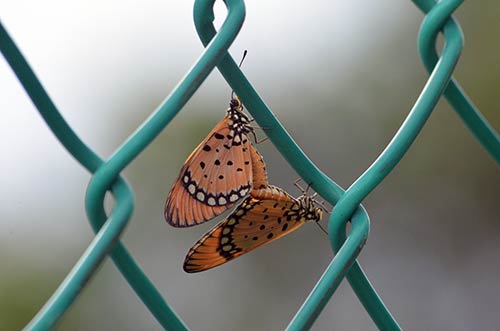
[(297, 185), (322, 229), (301, 189), (322, 205), (264, 128), (260, 141), (257, 141)]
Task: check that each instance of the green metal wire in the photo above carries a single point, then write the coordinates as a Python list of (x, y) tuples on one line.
[(454, 94), (107, 235), (106, 174), (329, 190)]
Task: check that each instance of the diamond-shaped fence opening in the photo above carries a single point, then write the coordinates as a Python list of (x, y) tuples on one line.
[(346, 244)]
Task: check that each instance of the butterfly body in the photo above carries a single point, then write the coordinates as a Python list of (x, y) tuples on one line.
[(264, 216), (218, 173)]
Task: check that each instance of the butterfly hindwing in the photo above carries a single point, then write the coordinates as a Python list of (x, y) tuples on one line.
[(264, 216), (184, 210), (259, 174)]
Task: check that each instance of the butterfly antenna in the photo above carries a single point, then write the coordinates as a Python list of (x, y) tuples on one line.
[(243, 57), (239, 66)]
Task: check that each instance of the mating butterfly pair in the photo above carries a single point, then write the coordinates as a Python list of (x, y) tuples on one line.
[(224, 168)]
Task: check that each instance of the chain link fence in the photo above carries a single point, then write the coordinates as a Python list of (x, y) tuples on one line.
[(346, 244)]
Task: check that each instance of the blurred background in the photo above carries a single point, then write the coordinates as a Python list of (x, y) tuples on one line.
[(341, 76)]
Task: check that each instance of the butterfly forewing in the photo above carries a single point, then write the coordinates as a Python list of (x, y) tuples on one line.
[(218, 173), (255, 222)]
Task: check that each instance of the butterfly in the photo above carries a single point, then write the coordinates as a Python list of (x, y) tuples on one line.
[(220, 171), (265, 215)]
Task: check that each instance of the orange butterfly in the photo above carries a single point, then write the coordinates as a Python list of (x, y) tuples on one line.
[(219, 172), (266, 215)]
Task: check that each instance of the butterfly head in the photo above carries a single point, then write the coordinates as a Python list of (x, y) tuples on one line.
[(310, 211), (235, 104)]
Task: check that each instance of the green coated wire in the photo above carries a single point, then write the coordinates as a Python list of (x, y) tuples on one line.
[(439, 17), (454, 94), (108, 234), (106, 174), (203, 15), (403, 138), (342, 266), (408, 131), (375, 174), (439, 79), (396, 149)]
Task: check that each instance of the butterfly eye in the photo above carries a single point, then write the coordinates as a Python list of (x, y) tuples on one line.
[(234, 103)]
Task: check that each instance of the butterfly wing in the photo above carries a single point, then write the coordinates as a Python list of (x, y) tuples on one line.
[(255, 222), (217, 174), (259, 174)]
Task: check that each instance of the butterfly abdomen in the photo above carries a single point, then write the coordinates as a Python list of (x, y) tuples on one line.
[(270, 192)]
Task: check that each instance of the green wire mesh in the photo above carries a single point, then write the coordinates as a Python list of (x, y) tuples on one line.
[(106, 173)]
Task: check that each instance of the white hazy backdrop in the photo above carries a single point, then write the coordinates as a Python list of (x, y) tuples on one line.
[(341, 76)]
